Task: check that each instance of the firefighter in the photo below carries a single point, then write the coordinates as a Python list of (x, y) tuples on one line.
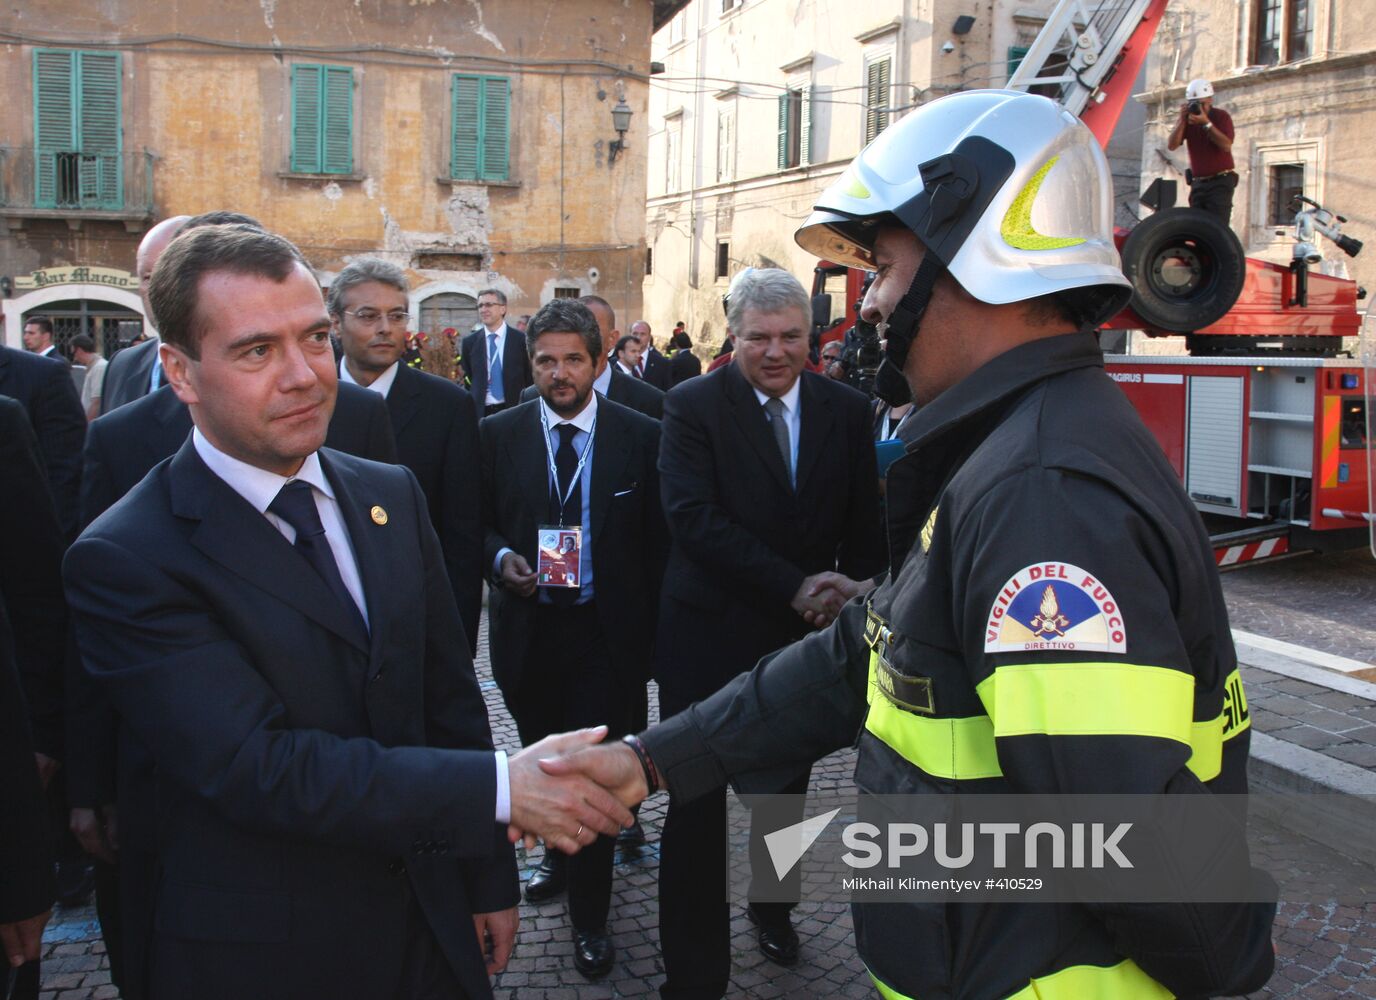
[(1052, 621)]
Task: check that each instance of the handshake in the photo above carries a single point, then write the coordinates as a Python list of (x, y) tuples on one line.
[(821, 596), (570, 787)]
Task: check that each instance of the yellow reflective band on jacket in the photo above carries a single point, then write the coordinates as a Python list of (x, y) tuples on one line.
[(1124, 981), (958, 749), (1060, 699), (1207, 738), (1089, 699)]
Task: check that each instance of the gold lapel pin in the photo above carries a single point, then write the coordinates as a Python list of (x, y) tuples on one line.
[(379, 515)]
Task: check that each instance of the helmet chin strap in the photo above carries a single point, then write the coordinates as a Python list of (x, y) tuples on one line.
[(890, 384)]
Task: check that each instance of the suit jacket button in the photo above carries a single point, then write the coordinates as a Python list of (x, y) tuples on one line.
[(396, 867), (375, 678)]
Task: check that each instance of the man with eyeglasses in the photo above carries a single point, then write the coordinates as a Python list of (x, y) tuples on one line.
[(434, 420), (494, 356)]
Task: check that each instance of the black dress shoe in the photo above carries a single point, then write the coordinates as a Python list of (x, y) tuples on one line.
[(593, 953), (632, 838), (778, 940), (549, 880)]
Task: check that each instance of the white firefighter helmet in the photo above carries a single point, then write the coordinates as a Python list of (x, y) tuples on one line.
[(1197, 90), (1008, 190)]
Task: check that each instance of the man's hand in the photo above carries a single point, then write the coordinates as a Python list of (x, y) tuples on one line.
[(614, 766), (567, 812), (47, 767), (496, 937), (23, 939), (822, 596), (98, 834), (1199, 119), (517, 575)]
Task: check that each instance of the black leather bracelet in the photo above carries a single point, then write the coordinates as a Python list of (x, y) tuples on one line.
[(646, 765)]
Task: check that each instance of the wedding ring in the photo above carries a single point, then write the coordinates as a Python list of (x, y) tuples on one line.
[(579, 833)]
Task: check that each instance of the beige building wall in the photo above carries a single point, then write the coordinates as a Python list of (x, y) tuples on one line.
[(1316, 110), (213, 108), (714, 174)]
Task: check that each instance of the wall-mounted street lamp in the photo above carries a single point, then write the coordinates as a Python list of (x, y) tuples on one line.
[(621, 121)]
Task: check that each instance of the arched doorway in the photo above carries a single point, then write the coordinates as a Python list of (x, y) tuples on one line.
[(448, 309), (111, 326)]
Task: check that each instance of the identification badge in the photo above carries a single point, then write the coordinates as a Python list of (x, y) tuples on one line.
[(559, 551)]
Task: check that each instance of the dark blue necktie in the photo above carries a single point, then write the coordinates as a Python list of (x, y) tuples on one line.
[(295, 504)]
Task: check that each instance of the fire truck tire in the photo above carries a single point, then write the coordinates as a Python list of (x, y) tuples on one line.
[(1186, 269)]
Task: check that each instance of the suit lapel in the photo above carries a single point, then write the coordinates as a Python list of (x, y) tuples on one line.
[(815, 422), (754, 425), (610, 453), (403, 401), (528, 457), (368, 540), (243, 541)]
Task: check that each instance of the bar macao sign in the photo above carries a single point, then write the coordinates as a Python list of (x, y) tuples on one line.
[(77, 276)]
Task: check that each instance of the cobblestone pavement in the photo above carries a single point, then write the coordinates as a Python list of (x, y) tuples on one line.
[(1325, 931), (1326, 602)]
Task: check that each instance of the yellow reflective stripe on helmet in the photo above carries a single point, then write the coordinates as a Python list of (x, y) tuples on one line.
[(1124, 981), (1089, 699), (1208, 737), (958, 749), (1017, 230)]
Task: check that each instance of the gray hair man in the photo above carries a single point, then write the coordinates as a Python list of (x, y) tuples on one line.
[(433, 420)]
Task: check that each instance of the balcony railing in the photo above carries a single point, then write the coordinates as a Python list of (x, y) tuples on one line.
[(74, 185)]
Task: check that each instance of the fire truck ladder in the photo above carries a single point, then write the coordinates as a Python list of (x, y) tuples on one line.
[(1087, 58)]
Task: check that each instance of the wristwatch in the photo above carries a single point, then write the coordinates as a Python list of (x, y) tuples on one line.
[(1208, 126)]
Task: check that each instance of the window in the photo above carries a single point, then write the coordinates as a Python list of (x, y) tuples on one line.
[(673, 132), (730, 5), (567, 292), (322, 119), (726, 142), (77, 133), (1015, 57), (1352, 428), (649, 261), (676, 29), (795, 126), (481, 133), (878, 77), (723, 258), (1286, 180), (1282, 31)]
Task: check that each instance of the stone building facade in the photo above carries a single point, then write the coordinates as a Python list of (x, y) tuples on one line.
[(469, 142), (1299, 79)]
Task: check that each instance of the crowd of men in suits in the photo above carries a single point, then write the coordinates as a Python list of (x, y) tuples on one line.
[(257, 692)]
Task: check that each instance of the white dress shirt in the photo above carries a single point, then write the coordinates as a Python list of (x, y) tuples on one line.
[(497, 352), (380, 385), (603, 382), (260, 487), (793, 414)]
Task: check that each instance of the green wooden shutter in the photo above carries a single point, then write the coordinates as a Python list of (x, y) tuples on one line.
[(496, 127), (305, 119), (785, 129), (54, 116), (876, 98), (337, 120), (465, 155), (1016, 53), (805, 126), (101, 171)]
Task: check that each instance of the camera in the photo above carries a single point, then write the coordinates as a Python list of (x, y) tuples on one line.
[(1196, 108)]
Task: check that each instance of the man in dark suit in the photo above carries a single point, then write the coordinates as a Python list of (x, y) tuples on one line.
[(683, 363), (104, 768), (653, 367), (30, 591), (38, 339), (771, 496), (576, 655), (493, 348), (610, 382), (273, 623), (44, 387), (434, 420), (132, 370)]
